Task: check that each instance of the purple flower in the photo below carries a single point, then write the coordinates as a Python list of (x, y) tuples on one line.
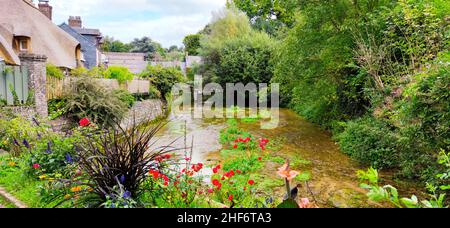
[(26, 144), (49, 147), (69, 159), (126, 195), (36, 122), (122, 179), (15, 142)]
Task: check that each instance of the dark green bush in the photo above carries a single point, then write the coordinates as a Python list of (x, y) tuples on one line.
[(91, 100), (370, 141), (163, 78), (125, 96)]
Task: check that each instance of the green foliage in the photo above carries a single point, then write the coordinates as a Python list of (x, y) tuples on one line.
[(146, 45), (93, 101), (234, 52), (125, 96), (112, 45), (163, 78), (121, 74), (15, 131), (390, 194), (56, 108), (269, 15), (154, 93), (370, 141), (192, 44), (53, 155), (54, 71)]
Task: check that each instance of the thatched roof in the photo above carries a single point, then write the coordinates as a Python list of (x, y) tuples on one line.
[(22, 18)]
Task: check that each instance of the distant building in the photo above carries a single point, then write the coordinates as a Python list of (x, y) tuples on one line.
[(135, 62), (90, 40), (27, 28)]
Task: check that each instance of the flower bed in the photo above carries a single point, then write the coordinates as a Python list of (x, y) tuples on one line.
[(114, 168)]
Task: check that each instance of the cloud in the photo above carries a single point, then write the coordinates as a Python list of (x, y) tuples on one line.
[(166, 21)]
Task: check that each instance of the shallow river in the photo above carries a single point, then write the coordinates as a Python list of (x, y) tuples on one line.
[(333, 174)]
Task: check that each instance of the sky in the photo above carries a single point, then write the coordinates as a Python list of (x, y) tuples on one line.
[(165, 21)]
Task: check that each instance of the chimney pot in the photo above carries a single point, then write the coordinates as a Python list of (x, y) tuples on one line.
[(75, 21), (46, 8)]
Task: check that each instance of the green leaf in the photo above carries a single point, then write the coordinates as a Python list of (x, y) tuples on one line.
[(290, 203)]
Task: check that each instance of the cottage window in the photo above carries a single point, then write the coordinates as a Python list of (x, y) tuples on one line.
[(23, 45)]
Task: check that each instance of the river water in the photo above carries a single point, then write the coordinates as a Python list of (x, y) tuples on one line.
[(333, 180)]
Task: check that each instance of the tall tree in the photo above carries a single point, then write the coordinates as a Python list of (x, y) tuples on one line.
[(268, 15), (192, 44)]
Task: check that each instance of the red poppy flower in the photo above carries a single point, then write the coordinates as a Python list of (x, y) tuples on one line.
[(187, 159), (167, 156), (166, 183), (36, 166), (210, 190), (230, 198), (235, 146), (232, 173), (260, 159), (85, 122), (251, 182), (216, 182), (215, 170), (197, 167), (219, 186), (238, 171)]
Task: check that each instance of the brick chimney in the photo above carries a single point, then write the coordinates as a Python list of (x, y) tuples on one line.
[(75, 21), (45, 8)]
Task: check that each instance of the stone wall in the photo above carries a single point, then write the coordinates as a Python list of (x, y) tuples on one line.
[(37, 81), (27, 112), (143, 111), (133, 61)]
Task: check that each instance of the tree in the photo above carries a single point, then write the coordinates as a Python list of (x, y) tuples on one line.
[(112, 45), (192, 44), (148, 46), (269, 15), (234, 52)]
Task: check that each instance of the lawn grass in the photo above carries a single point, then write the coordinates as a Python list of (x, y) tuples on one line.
[(14, 180)]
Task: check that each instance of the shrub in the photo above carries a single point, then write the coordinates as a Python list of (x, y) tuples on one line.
[(234, 52), (154, 93), (121, 74), (120, 157), (91, 100), (125, 96), (163, 78), (52, 154), (54, 71), (370, 141), (15, 133), (56, 108)]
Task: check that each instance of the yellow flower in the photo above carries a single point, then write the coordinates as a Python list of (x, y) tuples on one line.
[(42, 177), (68, 196), (76, 189), (12, 164)]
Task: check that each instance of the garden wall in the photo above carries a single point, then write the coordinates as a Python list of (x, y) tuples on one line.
[(143, 111)]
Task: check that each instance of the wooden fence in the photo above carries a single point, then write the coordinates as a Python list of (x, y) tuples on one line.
[(57, 88), (13, 85)]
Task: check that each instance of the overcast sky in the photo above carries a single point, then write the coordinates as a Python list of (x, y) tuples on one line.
[(166, 21)]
